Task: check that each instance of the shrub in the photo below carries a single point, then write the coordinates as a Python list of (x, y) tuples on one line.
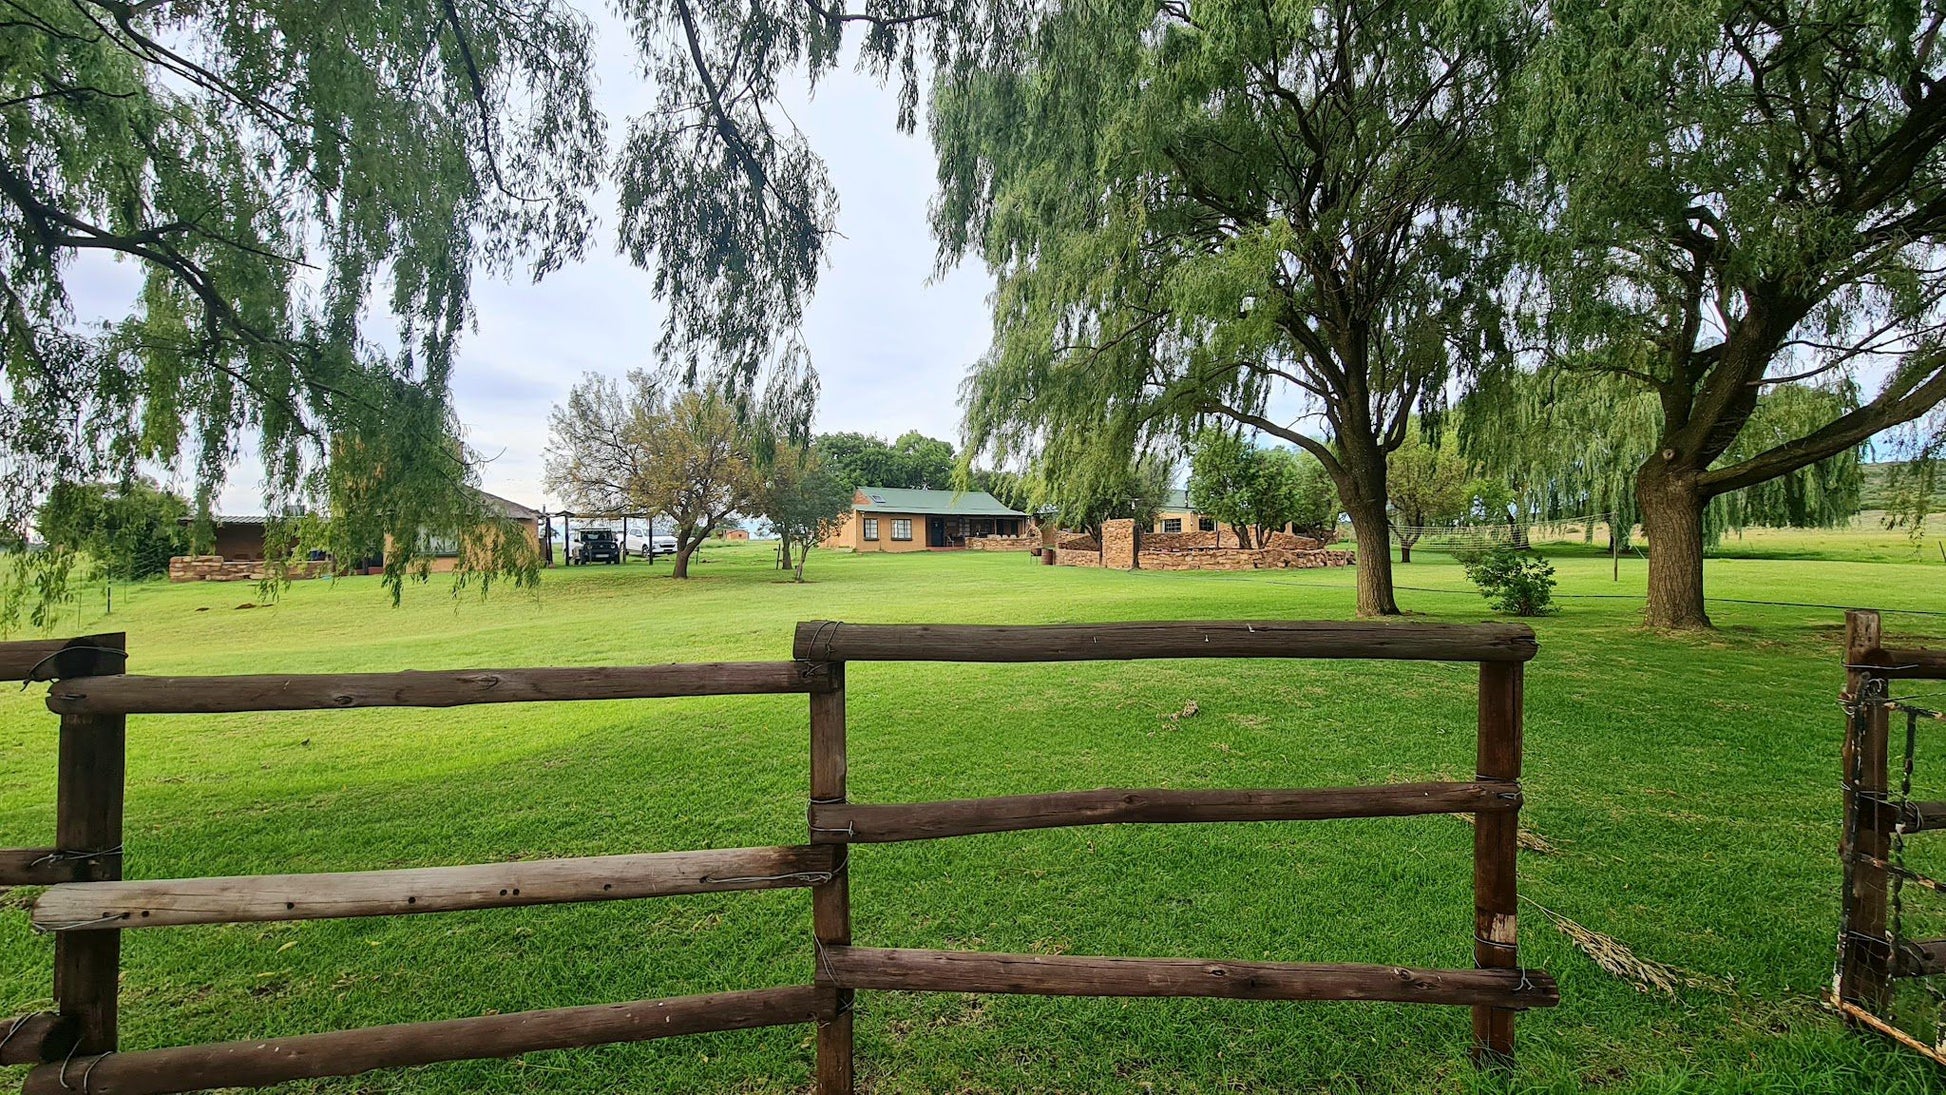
[(1514, 581)]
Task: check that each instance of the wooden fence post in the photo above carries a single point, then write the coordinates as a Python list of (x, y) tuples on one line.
[(1864, 952), (831, 902), (1496, 843), (88, 825)]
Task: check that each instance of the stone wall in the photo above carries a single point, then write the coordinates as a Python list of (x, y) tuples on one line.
[(1243, 559), (1122, 549), (1004, 543), (1076, 549), (215, 568), (1119, 545)]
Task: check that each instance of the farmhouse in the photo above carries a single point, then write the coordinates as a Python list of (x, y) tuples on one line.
[(445, 547), (897, 519), (1176, 515)]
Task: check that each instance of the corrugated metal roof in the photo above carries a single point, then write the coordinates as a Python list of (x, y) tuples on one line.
[(972, 503), (509, 507)]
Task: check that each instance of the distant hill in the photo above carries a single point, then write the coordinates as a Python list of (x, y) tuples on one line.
[(1873, 497)]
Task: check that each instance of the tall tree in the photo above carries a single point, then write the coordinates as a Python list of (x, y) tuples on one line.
[(594, 456), (697, 469), (866, 460), (130, 530), (276, 172), (803, 502), (1740, 196), (1431, 486), (1212, 211)]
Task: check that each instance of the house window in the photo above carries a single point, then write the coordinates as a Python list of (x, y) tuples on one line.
[(1206, 524), (901, 528), (1172, 524), (871, 528)]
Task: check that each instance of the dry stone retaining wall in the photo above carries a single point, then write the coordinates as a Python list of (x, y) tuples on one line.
[(1121, 547)]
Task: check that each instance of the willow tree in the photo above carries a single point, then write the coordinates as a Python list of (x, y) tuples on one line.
[(1567, 445), (275, 172), (308, 193), (1230, 211), (1741, 196)]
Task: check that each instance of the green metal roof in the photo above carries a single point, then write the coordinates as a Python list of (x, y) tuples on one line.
[(1175, 499), (972, 503)]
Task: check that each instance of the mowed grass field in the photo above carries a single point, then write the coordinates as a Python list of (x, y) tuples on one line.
[(1689, 787)]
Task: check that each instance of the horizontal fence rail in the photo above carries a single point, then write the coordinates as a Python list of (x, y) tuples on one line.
[(251, 898), (45, 867), (88, 905), (1070, 975), (53, 659), (31, 1039), (833, 641), (259, 1062), (869, 824), (1910, 663), (452, 688)]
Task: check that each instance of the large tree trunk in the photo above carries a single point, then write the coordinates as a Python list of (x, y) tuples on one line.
[(1672, 519), (685, 547), (1372, 530)]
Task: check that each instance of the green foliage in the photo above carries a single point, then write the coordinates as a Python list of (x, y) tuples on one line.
[(656, 445), (1429, 486), (1257, 491), (802, 501), (130, 531), (1295, 490), (1223, 478), (1825, 494), (913, 461), (1513, 581), (1567, 444), (1190, 214), (1729, 200), (1136, 489), (276, 171)]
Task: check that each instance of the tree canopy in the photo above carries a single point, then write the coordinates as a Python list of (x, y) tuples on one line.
[(130, 531), (276, 173), (867, 460), (1212, 212), (1733, 199)]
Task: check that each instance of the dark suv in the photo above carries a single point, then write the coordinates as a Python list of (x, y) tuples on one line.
[(597, 545)]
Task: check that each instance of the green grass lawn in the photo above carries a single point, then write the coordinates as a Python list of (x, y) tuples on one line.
[(1689, 787)]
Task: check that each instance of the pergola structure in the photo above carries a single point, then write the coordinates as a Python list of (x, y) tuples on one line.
[(568, 517)]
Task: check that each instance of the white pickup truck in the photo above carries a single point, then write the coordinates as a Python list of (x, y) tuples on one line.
[(647, 547)]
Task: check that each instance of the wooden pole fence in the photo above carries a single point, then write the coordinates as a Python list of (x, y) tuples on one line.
[(55, 659), (910, 970), (1877, 819), (98, 905), (90, 779), (868, 824), (830, 641), (452, 688), (31, 1039), (259, 1062), (88, 904)]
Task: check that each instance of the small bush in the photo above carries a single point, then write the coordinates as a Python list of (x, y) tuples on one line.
[(1513, 581)]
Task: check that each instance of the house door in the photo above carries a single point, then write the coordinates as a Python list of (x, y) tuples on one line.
[(936, 532)]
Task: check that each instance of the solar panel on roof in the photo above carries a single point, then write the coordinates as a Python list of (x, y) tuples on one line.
[(877, 500)]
